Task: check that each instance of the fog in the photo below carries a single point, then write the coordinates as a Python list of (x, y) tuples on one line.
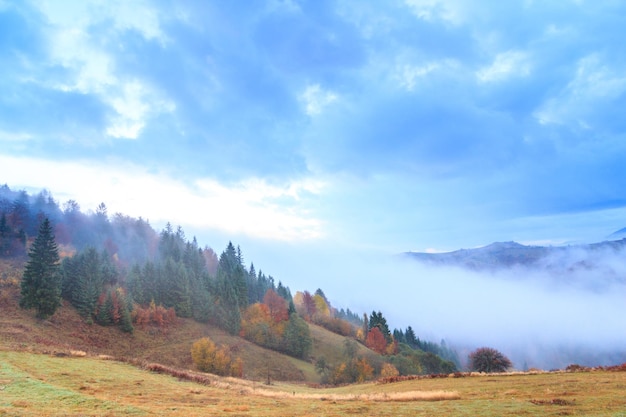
[(546, 317)]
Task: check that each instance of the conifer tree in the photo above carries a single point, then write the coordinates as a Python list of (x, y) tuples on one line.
[(41, 283), (410, 337), (89, 282), (227, 311)]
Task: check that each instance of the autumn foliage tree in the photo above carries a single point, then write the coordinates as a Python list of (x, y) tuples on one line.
[(209, 358), (389, 371), (276, 305), (488, 360), (376, 341), (305, 305), (257, 326)]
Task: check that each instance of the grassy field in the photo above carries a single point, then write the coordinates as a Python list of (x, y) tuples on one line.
[(45, 385)]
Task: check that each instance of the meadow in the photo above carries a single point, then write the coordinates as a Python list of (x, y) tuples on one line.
[(35, 384)]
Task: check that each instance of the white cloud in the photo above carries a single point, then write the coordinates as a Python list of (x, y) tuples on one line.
[(252, 207), (137, 16), (594, 85), (447, 10), (133, 106), (315, 99), (506, 65), (74, 46), (124, 15), (14, 136), (410, 76), (283, 6), (92, 68)]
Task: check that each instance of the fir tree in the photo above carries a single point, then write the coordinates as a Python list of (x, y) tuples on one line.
[(232, 270), (41, 284), (284, 292), (126, 321), (227, 307), (411, 339)]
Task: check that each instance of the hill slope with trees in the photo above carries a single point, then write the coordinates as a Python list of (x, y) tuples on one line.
[(117, 274)]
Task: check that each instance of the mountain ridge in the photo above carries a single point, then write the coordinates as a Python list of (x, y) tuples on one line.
[(506, 255)]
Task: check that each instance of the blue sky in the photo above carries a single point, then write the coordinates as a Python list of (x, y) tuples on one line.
[(305, 128)]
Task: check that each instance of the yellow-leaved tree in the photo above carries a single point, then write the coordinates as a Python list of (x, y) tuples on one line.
[(209, 358)]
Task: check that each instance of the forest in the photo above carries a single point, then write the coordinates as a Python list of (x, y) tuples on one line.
[(118, 271)]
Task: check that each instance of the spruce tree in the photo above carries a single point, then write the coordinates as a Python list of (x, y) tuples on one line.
[(41, 283)]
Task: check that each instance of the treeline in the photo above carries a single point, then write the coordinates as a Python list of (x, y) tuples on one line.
[(128, 239), (117, 270)]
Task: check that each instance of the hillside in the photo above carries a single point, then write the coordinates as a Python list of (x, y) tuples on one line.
[(67, 331), (166, 291)]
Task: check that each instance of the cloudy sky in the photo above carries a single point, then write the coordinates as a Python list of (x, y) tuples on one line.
[(304, 128)]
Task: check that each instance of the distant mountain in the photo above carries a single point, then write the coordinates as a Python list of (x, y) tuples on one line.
[(506, 255), (620, 234)]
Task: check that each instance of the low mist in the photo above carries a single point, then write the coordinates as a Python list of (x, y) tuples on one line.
[(533, 320), (542, 317)]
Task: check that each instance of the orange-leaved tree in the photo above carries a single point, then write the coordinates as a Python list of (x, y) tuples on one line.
[(376, 341), (277, 306)]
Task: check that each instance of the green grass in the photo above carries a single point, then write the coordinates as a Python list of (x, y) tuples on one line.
[(44, 385)]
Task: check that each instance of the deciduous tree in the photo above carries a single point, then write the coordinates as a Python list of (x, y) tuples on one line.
[(276, 305), (487, 359), (209, 358), (376, 341)]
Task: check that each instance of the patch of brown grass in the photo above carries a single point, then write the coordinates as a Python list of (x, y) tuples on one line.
[(553, 401)]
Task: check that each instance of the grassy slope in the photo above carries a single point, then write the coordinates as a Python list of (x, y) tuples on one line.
[(44, 385), (66, 331)]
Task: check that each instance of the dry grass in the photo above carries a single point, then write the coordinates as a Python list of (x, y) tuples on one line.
[(383, 397), (46, 385)]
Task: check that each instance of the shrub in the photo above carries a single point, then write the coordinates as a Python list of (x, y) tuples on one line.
[(389, 371), (155, 315)]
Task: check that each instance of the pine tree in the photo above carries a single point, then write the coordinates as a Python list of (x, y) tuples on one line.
[(41, 284)]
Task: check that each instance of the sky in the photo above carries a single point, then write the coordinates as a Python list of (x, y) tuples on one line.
[(308, 130)]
